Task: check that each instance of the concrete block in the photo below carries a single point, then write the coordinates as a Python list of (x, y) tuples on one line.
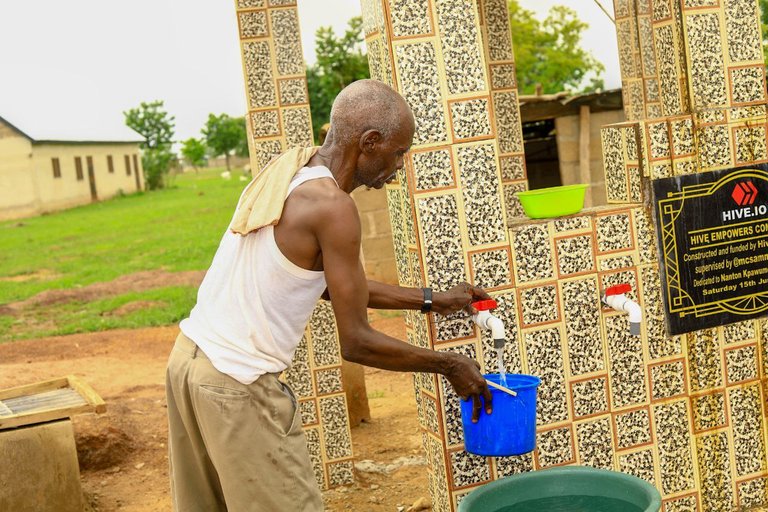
[(567, 127), (378, 248), (39, 469), (376, 223), (384, 271), (370, 200), (568, 150)]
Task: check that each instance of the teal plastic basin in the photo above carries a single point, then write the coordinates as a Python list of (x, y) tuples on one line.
[(581, 485)]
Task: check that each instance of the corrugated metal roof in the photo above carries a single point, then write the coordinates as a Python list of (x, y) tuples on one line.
[(550, 106)]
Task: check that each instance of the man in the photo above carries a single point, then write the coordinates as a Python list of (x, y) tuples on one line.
[(235, 437)]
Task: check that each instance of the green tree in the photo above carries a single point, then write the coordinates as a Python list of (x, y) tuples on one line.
[(549, 53), (340, 61), (152, 122), (242, 147), (194, 151), (224, 134)]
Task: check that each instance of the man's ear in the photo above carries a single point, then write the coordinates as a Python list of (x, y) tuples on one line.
[(369, 139)]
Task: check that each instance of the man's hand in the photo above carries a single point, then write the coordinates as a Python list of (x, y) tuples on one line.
[(466, 379), (457, 298)]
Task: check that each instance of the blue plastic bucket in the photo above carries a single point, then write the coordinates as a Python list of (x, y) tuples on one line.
[(511, 428)]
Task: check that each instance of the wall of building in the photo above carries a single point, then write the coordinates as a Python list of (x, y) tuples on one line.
[(67, 190), (28, 186), (568, 132), (18, 192)]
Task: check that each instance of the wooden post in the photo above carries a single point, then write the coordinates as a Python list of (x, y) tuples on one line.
[(585, 175), (353, 376)]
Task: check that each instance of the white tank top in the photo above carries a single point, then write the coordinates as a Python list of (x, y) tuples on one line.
[(254, 304)]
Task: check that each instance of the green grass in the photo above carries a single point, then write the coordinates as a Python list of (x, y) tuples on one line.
[(175, 229), (160, 306)]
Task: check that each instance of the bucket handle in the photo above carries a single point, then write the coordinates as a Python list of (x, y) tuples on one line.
[(501, 388)]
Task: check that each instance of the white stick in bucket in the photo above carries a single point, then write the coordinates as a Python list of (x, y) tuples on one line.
[(501, 388)]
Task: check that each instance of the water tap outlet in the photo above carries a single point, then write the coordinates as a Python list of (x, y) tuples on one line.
[(615, 298), (485, 320)]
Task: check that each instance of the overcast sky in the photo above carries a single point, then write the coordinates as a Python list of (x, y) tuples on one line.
[(67, 67)]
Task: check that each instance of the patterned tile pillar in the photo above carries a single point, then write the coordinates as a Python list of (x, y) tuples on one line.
[(694, 91), (279, 118), (632, 85), (500, 67), (447, 207), (652, 58), (699, 65), (275, 78)]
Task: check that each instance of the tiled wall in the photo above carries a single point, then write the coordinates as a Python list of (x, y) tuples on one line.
[(684, 56), (685, 413), (315, 378), (672, 146), (279, 118), (702, 107)]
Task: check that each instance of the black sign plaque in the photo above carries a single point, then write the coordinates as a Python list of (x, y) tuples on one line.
[(712, 233)]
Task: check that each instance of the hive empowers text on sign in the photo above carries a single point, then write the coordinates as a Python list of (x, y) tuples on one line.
[(712, 233)]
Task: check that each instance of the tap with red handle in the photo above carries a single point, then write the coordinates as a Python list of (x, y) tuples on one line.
[(614, 296), (485, 320)]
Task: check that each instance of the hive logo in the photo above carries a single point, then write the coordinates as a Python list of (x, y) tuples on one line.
[(744, 193)]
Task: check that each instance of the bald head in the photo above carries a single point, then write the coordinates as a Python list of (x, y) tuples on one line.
[(368, 105)]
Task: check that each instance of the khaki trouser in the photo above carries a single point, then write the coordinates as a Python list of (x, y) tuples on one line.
[(234, 447)]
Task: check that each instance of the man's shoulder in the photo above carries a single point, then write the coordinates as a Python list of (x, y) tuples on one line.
[(333, 203), (324, 200), (321, 191)]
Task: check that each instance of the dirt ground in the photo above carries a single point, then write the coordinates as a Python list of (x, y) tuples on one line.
[(123, 452)]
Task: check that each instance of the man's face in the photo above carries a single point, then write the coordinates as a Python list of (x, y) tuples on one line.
[(381, 164)]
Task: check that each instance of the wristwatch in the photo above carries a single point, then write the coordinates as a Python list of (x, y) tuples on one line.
[(426, 306)]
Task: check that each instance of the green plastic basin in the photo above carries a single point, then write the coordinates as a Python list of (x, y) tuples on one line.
[(574, 481), (545, 203)]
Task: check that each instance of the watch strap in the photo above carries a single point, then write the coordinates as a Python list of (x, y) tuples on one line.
[(426, 306)]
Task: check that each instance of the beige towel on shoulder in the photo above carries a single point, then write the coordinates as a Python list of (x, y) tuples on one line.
[(261, 203)]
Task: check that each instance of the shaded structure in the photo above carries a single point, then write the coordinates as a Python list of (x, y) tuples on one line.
[(561, 133)]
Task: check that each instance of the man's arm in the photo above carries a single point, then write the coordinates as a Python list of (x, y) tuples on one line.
[(461, 296), (337, 228)]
